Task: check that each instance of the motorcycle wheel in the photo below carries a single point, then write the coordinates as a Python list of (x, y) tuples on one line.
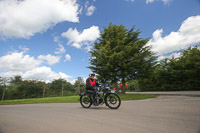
[(86, 101), (113, 101)]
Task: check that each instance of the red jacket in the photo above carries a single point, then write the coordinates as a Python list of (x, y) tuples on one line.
[(121, 86), (90, 83)]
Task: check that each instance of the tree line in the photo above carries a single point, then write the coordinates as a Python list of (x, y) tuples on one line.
[(177, 74), (17, 88), (120, 55)]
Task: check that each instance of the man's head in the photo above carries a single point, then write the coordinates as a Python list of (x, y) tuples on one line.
[(91, 75)]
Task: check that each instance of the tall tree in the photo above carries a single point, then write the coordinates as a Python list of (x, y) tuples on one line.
[(79, 85), (16, 79), (3, 84), (59, 85), (120, 55)]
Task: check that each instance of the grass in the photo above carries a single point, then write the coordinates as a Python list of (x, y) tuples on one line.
[(126, 97), (69, 99)]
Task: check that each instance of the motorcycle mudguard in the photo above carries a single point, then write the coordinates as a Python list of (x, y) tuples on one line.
[(82, 94)]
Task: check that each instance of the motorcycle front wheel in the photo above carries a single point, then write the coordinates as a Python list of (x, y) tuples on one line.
[(85, 101), (113, 101)]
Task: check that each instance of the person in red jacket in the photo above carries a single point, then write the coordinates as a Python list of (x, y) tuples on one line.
[(120, 85), (90, 82), (90, 86)]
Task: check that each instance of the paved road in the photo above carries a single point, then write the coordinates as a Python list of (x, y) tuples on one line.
[(165, 114), (171, 93)]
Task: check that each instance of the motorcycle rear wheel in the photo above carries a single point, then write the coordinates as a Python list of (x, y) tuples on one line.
[(85, 101)]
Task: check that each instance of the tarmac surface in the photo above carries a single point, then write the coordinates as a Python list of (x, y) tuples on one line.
[(171, 93), (165, 114)]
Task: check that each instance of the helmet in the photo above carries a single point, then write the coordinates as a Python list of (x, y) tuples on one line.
[(91, 74)]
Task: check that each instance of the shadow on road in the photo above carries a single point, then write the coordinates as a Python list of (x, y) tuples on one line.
[(1, 131), (96, 108), (199, 131)]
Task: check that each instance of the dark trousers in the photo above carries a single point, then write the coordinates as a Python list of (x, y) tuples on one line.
[(93, 92)]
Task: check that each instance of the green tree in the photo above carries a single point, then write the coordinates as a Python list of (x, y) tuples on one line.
[(60, 86), (181, 73), (3, 86), (29, 89), (120, 55), (79, 85), (16, 79), (57, 84)]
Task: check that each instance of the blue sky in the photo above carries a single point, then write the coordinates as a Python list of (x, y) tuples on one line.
[(46, 40)]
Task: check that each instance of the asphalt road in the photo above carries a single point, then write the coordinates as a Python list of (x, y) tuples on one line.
[(171, 93), (165, 114)]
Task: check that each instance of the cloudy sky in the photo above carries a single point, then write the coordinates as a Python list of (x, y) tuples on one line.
[(50, 39)]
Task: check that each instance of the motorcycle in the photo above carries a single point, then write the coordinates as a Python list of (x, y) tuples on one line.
[(103, 94)]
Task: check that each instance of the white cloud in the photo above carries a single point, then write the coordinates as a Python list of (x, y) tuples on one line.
[(130, 0), (50, 59), (88, 48), (187, 35), (9, 74), (67, 58), (24, 49), (90, 10), (24, 18), (175, 55), (60, 49), (164, 1), (80, 10), (39, 73), (149, 1), (56, 39), (18, 62), (78, 39), (44, 73)]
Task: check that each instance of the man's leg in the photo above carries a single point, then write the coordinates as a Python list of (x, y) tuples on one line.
[(94, 97)]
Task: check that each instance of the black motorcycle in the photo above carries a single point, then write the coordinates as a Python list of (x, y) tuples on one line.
[(103, 94)]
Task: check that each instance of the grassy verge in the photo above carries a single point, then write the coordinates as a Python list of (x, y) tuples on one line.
[(126, 97), (69, 99)]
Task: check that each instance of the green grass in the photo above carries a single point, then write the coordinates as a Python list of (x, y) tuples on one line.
[(69, 99), (126, 97)]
